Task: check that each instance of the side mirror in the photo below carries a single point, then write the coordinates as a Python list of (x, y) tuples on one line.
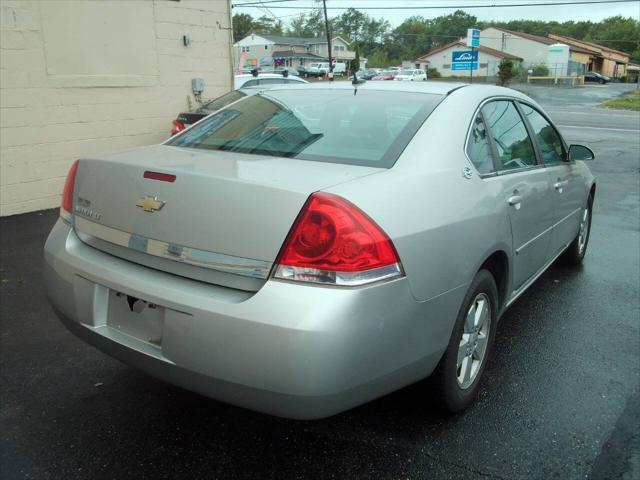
[(580, 152)]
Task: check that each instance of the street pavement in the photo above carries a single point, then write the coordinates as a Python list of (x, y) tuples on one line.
[(560, 399)]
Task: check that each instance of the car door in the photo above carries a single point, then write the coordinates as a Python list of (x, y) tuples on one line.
[(524, 188), (568, 193)]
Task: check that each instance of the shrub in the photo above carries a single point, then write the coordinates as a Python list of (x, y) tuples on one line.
[(505, 71), (519, 73), (432, 72), (539, 71)]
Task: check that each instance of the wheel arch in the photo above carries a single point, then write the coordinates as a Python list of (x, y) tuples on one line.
[(497, 263)]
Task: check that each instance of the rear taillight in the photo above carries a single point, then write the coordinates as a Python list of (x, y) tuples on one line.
[(333, 242), (66, 203), (178, 126)]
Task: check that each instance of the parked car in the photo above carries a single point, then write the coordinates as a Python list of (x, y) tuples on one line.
[(186, 119), (318, 69), (411, 75), (339, 68), (243, 81), (595, 77), (366, 74), (305, 250), (385, 75), (290, 71)]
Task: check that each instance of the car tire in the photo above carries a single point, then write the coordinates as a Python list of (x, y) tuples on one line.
[(457, 380), (602, 82), (574, 254)]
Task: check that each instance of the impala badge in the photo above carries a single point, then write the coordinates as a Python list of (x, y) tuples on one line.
[(150, 204)]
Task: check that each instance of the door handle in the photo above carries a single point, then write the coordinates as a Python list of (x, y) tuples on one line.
[(560, 184), (515, 201)]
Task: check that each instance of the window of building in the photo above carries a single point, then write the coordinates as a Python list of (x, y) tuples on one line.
[(510, 136), (245, 49), (446, 65)]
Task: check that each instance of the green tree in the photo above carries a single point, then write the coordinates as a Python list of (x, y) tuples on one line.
[(447, 28), (268, 26), (505, 71), (307, 25), (355, 63), (618, 33), (378, 58), (242, 26), (351, 24)]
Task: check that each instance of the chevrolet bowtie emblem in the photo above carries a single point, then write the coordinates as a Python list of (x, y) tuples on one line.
[(150, 204)]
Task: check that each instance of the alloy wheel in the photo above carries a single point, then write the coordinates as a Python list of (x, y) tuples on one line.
[(473, 342)]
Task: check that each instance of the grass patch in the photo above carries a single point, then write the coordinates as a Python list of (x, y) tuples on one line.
[(628, 102)]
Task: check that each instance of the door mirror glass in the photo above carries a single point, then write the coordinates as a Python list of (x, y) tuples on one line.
[(580, 152)]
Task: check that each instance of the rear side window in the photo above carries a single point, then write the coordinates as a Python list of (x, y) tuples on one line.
[(479, 147), (548, 138), (224, 100), (510, 136), (332, 125)]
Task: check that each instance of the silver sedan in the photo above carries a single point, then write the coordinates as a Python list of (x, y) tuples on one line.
[(305, 250)]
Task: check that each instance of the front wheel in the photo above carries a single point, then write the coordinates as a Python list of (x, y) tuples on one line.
[(458, 375), (574, 254)]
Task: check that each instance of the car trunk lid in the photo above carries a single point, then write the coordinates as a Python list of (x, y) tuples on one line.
[(213, 216)]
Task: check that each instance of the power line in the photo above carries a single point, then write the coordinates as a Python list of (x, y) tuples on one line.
[(435, 7)]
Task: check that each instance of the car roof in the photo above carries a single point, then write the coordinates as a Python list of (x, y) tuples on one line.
[(249, 76), (436, 88), (472, 93)]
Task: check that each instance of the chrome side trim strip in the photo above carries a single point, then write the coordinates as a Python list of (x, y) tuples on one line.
[(247, 267), (518, 250)]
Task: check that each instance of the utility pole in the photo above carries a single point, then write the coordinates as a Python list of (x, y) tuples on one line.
[(326, 26), (471, 68)]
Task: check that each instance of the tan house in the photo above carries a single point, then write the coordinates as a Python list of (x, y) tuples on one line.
[(84, 78), (272, 51), (604, 60), (533, 49)]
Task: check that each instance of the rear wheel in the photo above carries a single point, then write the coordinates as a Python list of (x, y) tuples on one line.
[(458, 375), (574, 254)]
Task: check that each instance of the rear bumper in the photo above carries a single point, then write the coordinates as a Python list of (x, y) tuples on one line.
[(290, 350)]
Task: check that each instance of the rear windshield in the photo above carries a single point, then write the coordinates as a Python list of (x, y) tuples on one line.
[(369, 127)]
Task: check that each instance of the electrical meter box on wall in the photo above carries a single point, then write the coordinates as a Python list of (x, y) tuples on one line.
[(197, 85)]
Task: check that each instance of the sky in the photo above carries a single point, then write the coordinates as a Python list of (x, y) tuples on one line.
[(560, 13)]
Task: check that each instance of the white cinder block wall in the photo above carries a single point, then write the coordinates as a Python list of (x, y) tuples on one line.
[(89, 77)]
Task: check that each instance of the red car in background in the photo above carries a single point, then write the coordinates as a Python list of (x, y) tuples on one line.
[(386, 75)]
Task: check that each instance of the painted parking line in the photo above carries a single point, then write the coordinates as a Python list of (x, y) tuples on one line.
[(601, 128)]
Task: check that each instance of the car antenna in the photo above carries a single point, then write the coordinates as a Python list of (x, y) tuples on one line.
[(355, 82)]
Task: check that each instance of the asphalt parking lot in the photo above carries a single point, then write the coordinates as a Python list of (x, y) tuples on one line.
[(561, 396)]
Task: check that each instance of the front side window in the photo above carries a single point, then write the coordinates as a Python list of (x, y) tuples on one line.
[(371, 128), (548, 138), (507, 129), (479, 148)]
